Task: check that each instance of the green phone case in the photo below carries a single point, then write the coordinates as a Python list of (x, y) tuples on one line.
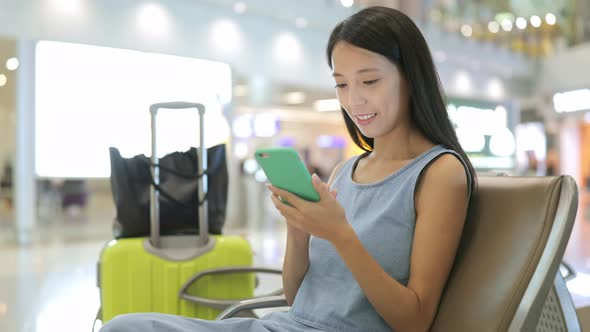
[(285, 170)]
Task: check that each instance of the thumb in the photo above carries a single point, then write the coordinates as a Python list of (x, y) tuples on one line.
[(334, 193)]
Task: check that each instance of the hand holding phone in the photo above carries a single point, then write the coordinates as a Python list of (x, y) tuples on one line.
[(285, 170)]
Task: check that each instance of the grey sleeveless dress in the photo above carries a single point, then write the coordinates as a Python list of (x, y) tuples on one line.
[(329, 299)]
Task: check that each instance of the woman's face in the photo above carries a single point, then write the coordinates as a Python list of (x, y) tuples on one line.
[(370, 88)]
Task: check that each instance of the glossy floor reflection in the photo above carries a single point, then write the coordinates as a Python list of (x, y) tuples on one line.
[(577, 253), (51, 285)]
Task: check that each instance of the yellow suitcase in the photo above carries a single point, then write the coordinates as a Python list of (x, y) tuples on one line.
[(189, 275), (134, 276)]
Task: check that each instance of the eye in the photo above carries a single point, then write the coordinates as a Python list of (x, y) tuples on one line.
[(340, 86), (371, 82)]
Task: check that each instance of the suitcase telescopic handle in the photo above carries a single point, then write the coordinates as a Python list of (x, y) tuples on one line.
[(203, 237)]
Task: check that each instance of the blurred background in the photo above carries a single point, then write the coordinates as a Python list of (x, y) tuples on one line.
[(78, 76)]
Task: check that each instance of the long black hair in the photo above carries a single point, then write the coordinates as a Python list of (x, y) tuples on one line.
[(392, 34)]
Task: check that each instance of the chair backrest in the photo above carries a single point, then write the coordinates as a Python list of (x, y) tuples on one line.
[(513, 241)]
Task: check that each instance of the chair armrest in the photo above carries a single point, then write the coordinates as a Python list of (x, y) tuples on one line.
[(258, 303), (222, 304), (567, 271)]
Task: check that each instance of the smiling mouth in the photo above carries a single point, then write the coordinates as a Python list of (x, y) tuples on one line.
[(365, 117)]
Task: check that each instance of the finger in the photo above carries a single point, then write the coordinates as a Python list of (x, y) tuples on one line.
[(289, 197), (285, 210), (319, 186), (334, 193), (276, 201)]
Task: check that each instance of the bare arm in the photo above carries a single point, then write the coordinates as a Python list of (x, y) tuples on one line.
[(296, 259), (441, 204), (296, 262)]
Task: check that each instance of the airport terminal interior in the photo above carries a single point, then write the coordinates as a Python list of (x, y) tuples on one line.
[(77, 78)]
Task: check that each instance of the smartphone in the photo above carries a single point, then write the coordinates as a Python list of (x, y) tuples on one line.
[(285, 170)]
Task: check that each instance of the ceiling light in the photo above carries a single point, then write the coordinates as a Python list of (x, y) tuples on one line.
[(153, 19), (347, 3), (572, 101), (550, 19), (240, 7), (507, 25), (242, 126), (2, 79), (265, 125), (466, 30), (294, 98), (12, 64), (326, 105), (494, 27), (521, 23), (495, 89), (287, 48), (70, 8), (225, 36), (250, 166), (301, 22), (463, 82), (241, 150), (535, 21)]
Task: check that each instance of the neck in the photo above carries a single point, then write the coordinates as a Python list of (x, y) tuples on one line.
[(402, 143)]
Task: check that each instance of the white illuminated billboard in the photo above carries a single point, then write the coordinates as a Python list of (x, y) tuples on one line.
[(89, 98)]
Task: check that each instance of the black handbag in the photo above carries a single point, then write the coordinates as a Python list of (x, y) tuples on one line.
[(131, 180)]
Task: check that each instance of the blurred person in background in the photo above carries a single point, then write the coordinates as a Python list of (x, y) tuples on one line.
[(532, 163), (552, 163), (6, 184)]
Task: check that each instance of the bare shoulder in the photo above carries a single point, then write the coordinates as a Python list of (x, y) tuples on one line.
[(446, 169), (444, 176)]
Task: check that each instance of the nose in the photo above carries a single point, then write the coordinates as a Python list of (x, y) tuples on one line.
[(356, 97)]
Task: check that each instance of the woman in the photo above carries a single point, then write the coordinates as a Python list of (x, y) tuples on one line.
[(386, 229)]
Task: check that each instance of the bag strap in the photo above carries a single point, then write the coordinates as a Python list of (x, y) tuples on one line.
[(171, 198), (177, 173), (167, 195), (208, 171)]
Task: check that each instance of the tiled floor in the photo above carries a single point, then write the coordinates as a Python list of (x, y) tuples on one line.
[(51, 285)]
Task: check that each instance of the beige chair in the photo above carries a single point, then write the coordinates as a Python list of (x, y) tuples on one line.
[(506, 274)]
